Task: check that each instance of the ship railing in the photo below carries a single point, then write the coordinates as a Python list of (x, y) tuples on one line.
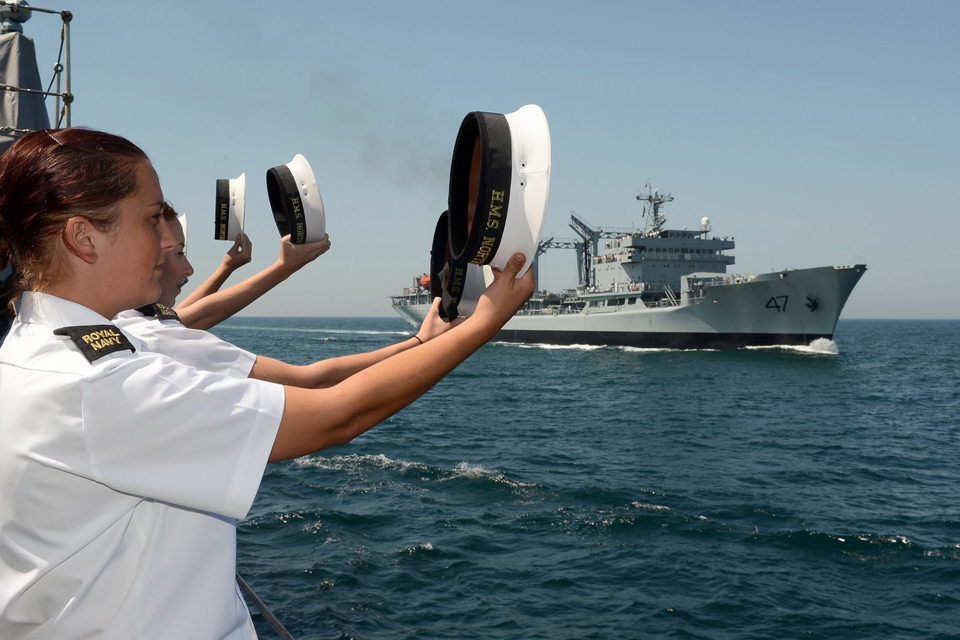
[(721, 280), (657, 255), (412, 298), (624, 287), (549, 311)]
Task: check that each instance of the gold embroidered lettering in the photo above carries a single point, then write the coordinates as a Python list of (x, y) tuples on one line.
[(485, 248), (457, 285)]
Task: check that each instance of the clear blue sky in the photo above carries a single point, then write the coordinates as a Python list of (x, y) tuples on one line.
[(813, 132)]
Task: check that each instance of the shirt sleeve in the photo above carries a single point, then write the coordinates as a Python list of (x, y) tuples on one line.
[(159, 429), (200, 349)]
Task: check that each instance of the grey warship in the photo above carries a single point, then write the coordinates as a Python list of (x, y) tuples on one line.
[(667, 289)]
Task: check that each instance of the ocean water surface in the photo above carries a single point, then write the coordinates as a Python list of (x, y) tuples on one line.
[(579, 492)]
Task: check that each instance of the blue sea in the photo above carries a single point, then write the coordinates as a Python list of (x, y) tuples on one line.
[(578, 492)]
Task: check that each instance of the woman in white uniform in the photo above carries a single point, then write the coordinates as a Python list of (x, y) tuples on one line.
[(122, 470)]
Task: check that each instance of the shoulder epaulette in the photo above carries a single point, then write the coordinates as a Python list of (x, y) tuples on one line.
[(97, 340), (161, 312)]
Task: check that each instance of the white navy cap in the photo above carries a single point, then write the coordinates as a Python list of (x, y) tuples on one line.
[(499, 186), (231, 203), (295, 201)]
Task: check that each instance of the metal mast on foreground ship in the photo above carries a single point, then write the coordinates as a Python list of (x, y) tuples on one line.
[(667, 288)]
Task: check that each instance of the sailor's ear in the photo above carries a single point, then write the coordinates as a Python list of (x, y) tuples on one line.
[(80, 238)]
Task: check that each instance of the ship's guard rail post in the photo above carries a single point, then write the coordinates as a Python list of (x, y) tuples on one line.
[(59, 69), (264, 610)]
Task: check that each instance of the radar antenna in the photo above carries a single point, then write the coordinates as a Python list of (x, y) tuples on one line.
[(655, 218)]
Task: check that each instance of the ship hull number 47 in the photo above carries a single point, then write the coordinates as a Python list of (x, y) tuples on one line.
[(778, 302)]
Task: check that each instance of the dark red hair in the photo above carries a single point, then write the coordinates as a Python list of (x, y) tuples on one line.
[(50, 176)]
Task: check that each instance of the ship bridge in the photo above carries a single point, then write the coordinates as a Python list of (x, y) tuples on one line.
[(656, 262), (653, 260)]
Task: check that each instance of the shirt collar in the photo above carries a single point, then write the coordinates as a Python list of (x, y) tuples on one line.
[(51, 311), (130, 313)]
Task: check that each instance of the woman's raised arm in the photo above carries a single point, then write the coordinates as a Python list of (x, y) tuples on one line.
[(317, 419), (326, 373), (217, 307)]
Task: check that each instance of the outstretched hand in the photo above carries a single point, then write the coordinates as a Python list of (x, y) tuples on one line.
[(506, 293), (294, 256), (433, 325), (239, 254)]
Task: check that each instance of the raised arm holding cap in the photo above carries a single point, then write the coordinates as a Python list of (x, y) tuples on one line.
[(240, 254), (292, 187), (217, 307), (381, 390), (327, 373)]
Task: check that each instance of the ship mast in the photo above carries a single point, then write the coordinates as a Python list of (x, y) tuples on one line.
[(651, 211), (24, 109)]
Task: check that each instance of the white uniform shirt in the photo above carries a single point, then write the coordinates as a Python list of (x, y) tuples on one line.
[(199, 349), (120, 481)]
